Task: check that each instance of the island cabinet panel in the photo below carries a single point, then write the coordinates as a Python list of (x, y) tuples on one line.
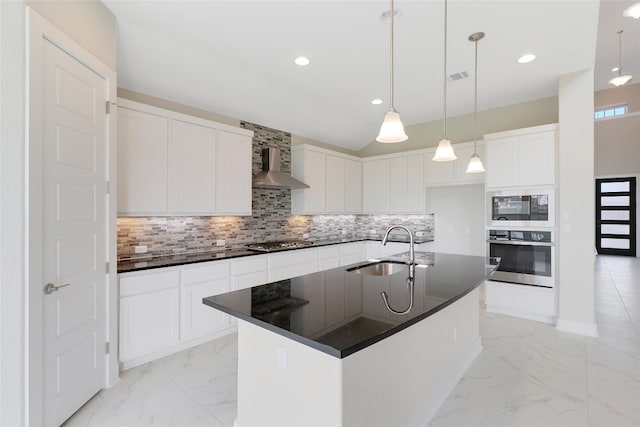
[(174, 164), (335, 181), (522, 157), (143, 156), (198, 282)]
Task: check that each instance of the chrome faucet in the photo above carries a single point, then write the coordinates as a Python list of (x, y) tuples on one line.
[(412, 258)]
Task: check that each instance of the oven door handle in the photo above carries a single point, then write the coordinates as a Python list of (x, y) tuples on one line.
[(519, 242)]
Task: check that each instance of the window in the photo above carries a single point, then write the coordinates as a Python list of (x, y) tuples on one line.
[(605, 113)]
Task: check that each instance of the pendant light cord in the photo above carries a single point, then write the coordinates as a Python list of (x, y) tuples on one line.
[(475, 103), (619, 52), (392, 17), (444, 78)]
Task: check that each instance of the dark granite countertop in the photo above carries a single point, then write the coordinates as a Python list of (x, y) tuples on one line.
[(138, 264), (340, 312)]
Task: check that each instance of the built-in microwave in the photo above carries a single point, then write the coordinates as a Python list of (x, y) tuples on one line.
[(522, 208)]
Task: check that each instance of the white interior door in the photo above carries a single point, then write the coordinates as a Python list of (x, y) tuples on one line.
[(74, 234)]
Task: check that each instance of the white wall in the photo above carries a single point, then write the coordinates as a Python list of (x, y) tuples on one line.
[(459, 219), (12, 215), (576, 200)]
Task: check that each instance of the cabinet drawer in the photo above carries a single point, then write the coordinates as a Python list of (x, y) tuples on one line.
[(151, 282), (200, 273), (290, 258), (251, 264), (329, 251)]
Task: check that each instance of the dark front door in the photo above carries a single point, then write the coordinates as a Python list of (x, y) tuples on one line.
[(616, 216)]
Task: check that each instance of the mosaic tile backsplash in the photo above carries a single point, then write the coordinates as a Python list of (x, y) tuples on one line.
[(271, 218)]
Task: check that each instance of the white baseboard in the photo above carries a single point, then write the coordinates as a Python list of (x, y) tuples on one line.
[(451, 378), (510, 311), (580, 328)]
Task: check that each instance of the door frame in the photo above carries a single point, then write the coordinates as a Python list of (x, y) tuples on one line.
[(37, 29), (637, 203)]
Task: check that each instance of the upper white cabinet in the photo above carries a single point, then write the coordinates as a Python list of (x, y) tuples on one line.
[(453, 173), (334, 179), (393, 184), (174, 164), (523, 157)]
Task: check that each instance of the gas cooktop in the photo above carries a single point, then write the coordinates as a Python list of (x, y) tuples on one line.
[(279, 245)]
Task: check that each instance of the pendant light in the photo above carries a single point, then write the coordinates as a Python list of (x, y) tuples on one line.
[(475, 164), (392, 130), (444, 152), (620, 79), (632, 11)]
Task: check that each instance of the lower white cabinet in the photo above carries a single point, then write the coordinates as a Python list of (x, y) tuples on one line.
[(288, 264), (350, 253), (328, 257), (248, 271)]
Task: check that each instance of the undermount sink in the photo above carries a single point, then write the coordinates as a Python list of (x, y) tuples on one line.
[(381, 268)]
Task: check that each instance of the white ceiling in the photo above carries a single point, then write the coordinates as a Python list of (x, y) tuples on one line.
[(236, 57)]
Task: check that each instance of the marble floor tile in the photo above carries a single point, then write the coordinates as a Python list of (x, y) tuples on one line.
[(465, 412), (614, 396), (93, 414)]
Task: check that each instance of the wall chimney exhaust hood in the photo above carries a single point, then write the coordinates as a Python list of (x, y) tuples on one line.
[(271, 176)]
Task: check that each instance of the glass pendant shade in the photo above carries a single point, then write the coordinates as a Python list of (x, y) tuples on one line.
[(632, 11), (475, 164), (444, 152), (620, 80), (391, 129)]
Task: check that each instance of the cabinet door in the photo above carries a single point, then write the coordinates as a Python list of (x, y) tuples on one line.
[(375, 186), (350, 253), (502, 163), (464, 155), (198, 319), (233, 177), (335, 184), (143, 153), (148, 322), (287, 264), (437, 172), (315, 178), (398, 185), (536, 159), (353, 184), (248, 272), (415, 184), (194, 168)]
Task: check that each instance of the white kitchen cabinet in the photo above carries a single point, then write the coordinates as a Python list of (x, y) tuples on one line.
[(288, 264), (234, 169), (328, 257), (334, 181), (353, 186), (193, 172), (453, 172), (350, 253), (149, 313), (521, 158), (174, 164), (375, 186), (248, 271), (143, 156), (394, 185), (199, 281)]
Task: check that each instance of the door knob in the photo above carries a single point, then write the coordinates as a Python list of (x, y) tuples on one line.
[(50, 288)]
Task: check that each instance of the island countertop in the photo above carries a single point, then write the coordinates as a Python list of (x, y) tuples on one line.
[(340, 311)]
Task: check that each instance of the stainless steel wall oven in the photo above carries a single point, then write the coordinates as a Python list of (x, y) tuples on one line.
[(526, 257)]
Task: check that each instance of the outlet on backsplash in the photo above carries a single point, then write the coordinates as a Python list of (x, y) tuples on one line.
[(220, 242)]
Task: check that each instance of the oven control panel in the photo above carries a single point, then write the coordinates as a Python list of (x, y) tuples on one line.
[(521, 235)]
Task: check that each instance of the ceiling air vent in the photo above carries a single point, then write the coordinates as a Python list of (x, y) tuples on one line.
[(458, 76)]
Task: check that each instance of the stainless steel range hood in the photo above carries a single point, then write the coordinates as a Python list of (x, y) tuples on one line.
[(271, 176)]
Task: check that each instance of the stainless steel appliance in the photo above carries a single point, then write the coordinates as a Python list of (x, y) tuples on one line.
[(526, 256), (279, 245), (271, 176), (523, 208)]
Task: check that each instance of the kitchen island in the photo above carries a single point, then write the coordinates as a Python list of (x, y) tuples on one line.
[(327, 349)]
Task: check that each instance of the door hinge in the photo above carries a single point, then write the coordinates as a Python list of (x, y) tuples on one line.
[(108, 347), (107, 267), (108, 107)]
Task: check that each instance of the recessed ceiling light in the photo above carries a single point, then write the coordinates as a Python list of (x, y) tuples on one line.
[(614, 69), (377, 101), (526, 58), (302, 60)]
